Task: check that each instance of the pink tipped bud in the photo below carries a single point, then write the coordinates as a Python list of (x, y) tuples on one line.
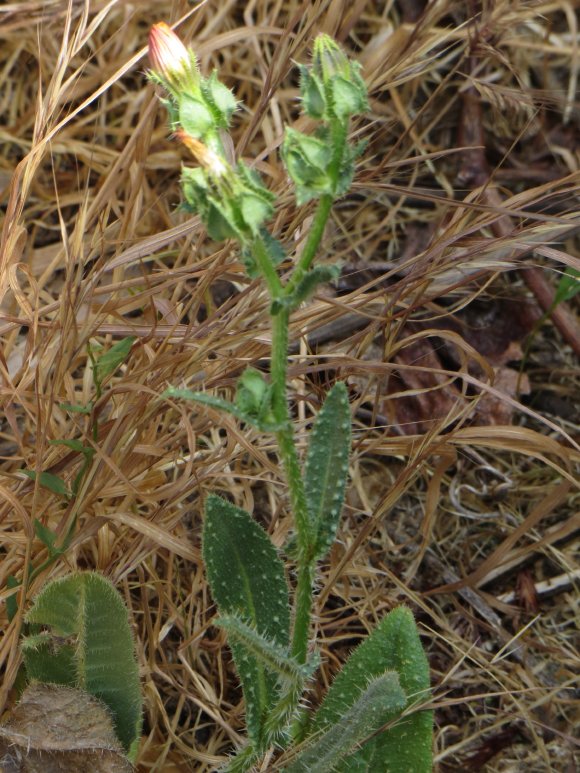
[(169, 58)]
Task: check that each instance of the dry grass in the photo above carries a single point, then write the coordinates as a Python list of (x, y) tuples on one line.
[(464, 495)]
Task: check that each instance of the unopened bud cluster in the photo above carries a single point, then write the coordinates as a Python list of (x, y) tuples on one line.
[(332, 91), (232, 201)]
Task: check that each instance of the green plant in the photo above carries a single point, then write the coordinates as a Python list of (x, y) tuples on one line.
[(387, 676), (79, 636)]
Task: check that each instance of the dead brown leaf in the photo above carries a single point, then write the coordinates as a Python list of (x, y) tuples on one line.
[(56, 729)]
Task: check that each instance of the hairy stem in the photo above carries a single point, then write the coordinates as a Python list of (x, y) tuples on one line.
[(291, 463), (312, 243), (267, 269), (304, 588)]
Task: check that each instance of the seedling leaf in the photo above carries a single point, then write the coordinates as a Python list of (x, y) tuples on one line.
[(46, 536), (12, 601), (108, 362), (76, 408), (75, 445), (246, 577), (223, 405), (568, 286), (326, 468)]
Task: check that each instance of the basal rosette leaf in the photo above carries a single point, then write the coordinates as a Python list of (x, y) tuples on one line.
[(394, 645)]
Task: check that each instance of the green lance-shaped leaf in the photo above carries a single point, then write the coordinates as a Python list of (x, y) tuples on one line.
[(395, 646), (374, 706), (108, 362), (49, 481), (327, 467), (247, 579), (568, 286), (87, 643)]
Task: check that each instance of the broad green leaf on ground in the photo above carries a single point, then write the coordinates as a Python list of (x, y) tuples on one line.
[(86, 642)]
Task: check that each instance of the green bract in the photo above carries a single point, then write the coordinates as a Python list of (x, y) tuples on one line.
[(219, 99), (234, 204), (316, 168)]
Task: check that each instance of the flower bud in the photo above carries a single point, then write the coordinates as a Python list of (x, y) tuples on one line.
[(332, 87), (171, 61), (328, 59)]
